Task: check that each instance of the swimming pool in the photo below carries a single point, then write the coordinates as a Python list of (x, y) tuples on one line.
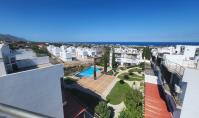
[(88, 72)]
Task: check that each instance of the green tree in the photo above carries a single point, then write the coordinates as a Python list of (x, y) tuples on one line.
[(40, 51), (146, 53), (142, 65), (125, 114), (106, 58), (134, 104), (114, 64), (103, 110)]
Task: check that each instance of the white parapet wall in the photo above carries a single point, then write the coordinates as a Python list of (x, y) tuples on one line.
[(178, 59), (37, 90), (190, 93), (32, 62)]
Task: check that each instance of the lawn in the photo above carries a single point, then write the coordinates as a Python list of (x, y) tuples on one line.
[(117, 94), (130, 77)]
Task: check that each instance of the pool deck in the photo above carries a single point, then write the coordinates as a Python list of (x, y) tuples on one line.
[(98, 86)]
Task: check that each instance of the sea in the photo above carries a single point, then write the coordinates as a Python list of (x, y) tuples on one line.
[(139, 43)]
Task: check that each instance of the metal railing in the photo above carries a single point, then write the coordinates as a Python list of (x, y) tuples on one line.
[(174, 67), (19, 113), (178, 101)]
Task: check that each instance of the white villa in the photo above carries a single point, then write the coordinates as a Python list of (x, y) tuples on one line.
[(71, 53), (126, 56), (54, 50)]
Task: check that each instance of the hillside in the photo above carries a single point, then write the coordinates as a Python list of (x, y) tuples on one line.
[(10, 38)]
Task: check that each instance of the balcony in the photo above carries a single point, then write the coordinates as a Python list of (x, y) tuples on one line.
[(174, 94), (174, 67)]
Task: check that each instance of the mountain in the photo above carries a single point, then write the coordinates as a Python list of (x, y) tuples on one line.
[(10, 38)]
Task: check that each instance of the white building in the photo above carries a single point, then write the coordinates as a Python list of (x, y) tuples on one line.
[(66, 56), (54, 50), (7, 59), (94, 51), (34, 90), (187, 56), (12, 61), (179, 74), (71, 53), (163, 50), (81, 53), (126, 56)]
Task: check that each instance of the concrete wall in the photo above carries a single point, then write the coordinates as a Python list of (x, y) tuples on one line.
[(32, 62), (5, 50), (24, 54), (2, 68), (189, 51), (175, 58), (191, 95), (37, 90)]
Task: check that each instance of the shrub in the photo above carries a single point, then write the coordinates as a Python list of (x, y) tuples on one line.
[(121, 81), (122, 68), (134, 103), (131, 73), (126, 76), (135, 70), (103, 110), (125, 114), (141, 65)]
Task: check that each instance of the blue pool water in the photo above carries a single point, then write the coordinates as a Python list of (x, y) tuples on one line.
[(88, 72)]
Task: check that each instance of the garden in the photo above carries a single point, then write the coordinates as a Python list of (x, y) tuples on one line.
[(117, 94), (131, 76)]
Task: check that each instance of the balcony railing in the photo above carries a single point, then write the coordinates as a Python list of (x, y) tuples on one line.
[(167, 88), (174, 67), (176, 96)]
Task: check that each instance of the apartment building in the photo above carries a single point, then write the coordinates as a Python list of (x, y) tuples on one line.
[(71, 53), (126, 56), (54, 50), (178, 73)]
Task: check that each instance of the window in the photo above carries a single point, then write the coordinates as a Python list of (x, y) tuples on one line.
[(197, 52)]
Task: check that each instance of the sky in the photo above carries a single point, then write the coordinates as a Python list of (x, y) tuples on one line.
[(101, 20)]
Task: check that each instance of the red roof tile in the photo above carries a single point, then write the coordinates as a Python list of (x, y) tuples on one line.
[(155, 106)]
